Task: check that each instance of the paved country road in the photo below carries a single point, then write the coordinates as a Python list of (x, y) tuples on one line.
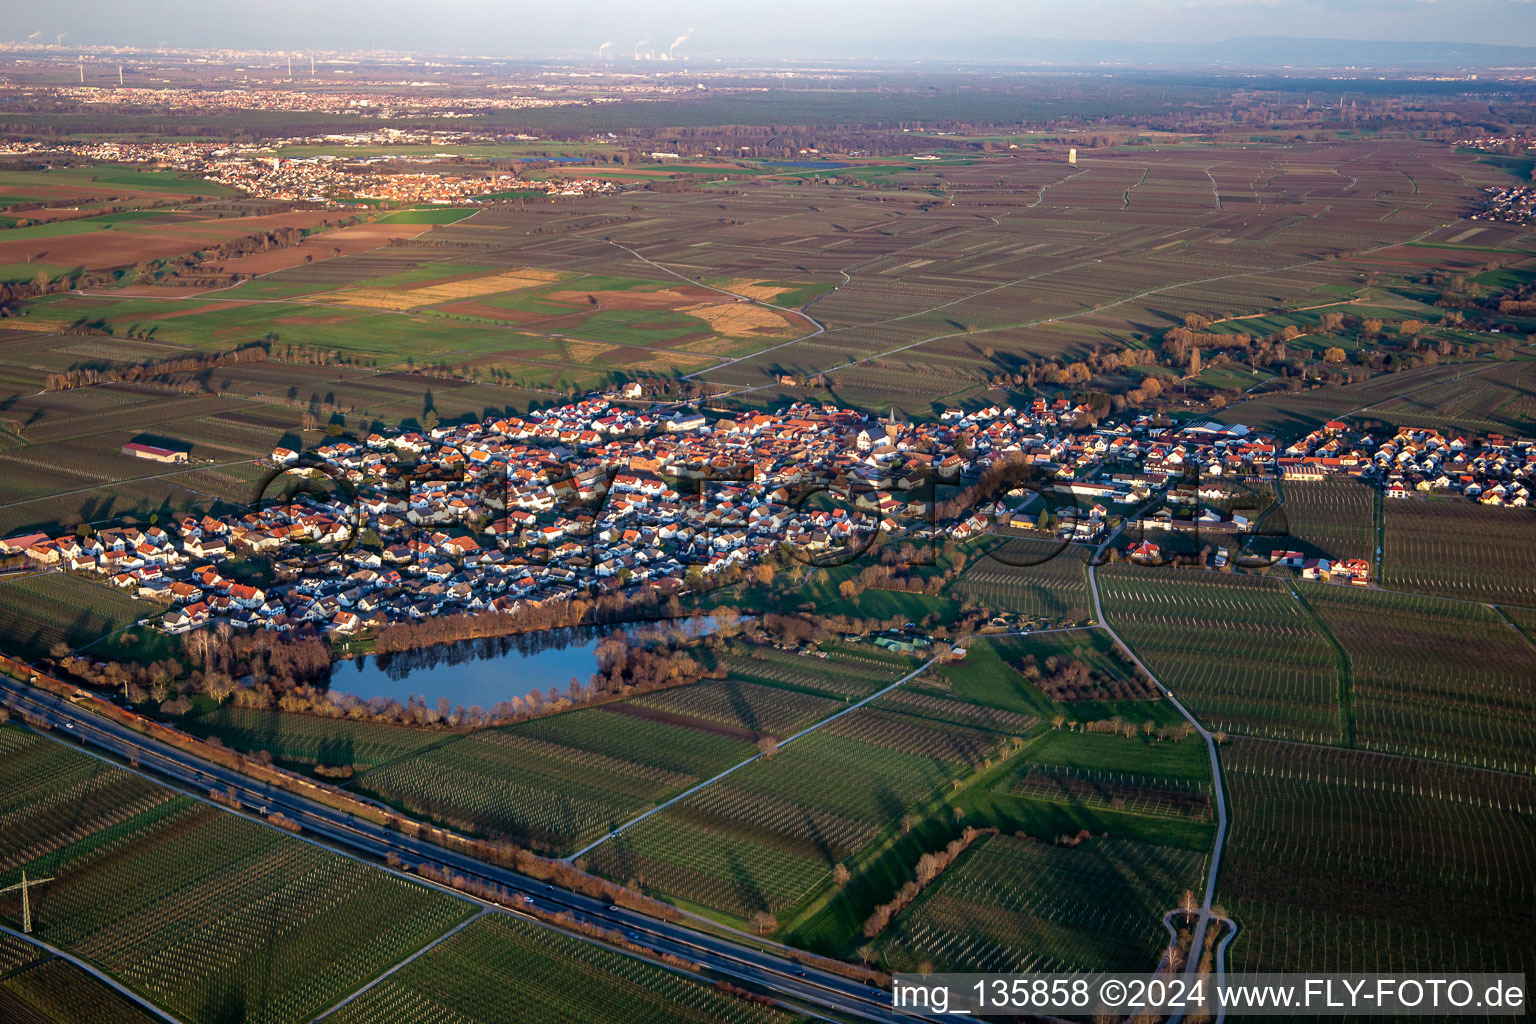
[(1220, 795)]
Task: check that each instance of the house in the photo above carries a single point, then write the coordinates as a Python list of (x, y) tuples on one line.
[(246, 596), (154, 454), (1356, 569), (1315, 568), (16, 545)]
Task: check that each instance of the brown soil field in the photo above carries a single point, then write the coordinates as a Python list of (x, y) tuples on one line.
[(63, 213), (351, 240), (123, 245), (93, 190), (150, 291)]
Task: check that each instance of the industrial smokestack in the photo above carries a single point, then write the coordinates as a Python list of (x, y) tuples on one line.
[(602, 49), (679, 41), (644, 42)]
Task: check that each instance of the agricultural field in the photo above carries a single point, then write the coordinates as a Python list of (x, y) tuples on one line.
[(39, 611), (1352, 861), (1333, 519), (1018, 904), (1434, 678), (1500, 399), (307, 741), (750, 711), (197, 910), (520, 304), (1241, 651), (102, 243), (1035, 579), (51, 990), (123, 218), (555, 782), (767, 836), (511, 325), (848, 676), (502, 969), (992, 673), (1455, 548), (1290, 414), (937, 296)]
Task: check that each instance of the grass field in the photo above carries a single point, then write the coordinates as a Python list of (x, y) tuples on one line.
[(430, 216), (209, 915), (991, 674)]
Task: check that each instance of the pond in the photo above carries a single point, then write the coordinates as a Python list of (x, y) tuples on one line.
[(487, 670)]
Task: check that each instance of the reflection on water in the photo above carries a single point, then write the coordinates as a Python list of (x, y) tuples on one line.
[(487, 670)]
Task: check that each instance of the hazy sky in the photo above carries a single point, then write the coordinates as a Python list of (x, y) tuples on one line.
[(735, 27)]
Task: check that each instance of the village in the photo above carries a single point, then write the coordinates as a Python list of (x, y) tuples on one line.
[(602, 497), (1513, 204), (322, 179)]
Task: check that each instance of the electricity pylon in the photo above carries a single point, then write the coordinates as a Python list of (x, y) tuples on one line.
[(26, 902)]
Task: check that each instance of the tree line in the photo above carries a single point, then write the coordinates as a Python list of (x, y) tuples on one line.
[(135, 372)]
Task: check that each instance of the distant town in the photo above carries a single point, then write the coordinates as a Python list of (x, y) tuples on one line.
[(325, 179)]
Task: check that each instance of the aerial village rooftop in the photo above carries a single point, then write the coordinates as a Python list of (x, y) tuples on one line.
[(600, 497)]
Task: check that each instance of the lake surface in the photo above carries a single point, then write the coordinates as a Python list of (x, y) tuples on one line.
[(486, 670)]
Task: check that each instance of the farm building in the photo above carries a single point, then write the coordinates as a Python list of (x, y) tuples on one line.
[(149, 451)]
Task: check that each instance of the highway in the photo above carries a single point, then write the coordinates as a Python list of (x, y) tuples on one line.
[(744, 965)]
